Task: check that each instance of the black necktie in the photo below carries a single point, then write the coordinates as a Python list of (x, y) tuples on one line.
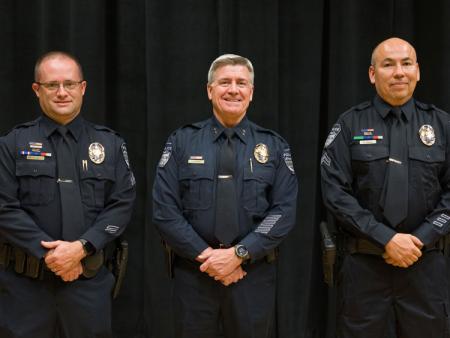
[(227, 224), (71, 207), (396, 182)]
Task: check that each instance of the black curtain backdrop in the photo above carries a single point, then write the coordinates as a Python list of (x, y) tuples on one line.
[(146, 64)]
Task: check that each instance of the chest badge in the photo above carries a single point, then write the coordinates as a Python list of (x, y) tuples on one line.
[(96, 153), (427, 136), (261, 153)]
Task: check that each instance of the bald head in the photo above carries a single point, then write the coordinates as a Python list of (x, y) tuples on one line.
[(390, 44)]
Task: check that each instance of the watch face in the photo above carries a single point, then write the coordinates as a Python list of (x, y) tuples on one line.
[(241, 251)]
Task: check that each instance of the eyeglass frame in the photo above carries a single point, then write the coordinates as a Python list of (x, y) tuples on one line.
[(64, 84)]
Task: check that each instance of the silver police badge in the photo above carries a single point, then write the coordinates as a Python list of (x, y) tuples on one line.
[(427, 136), (96, 153), (261, 153)]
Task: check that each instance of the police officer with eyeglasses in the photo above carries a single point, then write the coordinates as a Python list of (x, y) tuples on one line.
[(67, 192)]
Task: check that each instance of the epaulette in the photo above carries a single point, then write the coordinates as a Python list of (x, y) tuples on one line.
[(23, 125), (429, 106), (358, 107), (104, 128), (362, 105), (265, 130)]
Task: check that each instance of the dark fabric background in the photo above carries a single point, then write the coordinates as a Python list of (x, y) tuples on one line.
[(146, 64)]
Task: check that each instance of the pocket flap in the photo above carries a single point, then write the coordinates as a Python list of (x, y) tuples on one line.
[(195, 172), (369, 152), (35, 168), (427, 154), (103, 172)]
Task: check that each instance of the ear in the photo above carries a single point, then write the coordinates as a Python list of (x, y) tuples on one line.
[(251, 93), (418, 73), (35, 88), (83, 87), (209, 90), (372, 74)]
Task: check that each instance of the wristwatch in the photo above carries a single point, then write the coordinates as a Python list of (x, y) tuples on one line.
[(87, 247), (241, 251)]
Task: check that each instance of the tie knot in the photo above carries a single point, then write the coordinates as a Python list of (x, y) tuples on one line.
[(229, 133), (62, 131), (397, 112)]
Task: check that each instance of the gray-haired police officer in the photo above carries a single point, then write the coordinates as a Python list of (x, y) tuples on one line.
[(224, 198), (386, 178), (66, 192)]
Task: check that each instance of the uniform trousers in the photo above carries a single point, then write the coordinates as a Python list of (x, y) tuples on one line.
[(50, 308), (204, 308), (374, 295)]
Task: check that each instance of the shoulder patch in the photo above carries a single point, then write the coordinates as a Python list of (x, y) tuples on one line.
[(123, 147), (288, 160), (165, 157), (332, 135)]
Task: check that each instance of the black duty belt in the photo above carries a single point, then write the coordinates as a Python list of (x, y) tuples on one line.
[(363, 246), (33, 267)]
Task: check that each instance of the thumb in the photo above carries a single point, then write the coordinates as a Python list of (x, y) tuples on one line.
[(50, 245), (417, 242), (204, 266)]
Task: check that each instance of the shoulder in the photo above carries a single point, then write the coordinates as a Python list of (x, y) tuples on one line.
[(269, 133), (23, 126), (103, 132), (428, 107), (361, 107), (190, 129)]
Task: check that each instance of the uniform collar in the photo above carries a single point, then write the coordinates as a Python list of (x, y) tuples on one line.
[(383, 108), (74, 127), (241, 129)]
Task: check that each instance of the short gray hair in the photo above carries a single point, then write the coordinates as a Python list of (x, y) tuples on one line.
[(233, 60)]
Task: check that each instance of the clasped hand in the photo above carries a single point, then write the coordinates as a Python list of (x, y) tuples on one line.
[(403, 250), (64, 259), (221, 264)]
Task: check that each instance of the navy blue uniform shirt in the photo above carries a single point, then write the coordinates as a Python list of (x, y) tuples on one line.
[(354, 163), (185, 184), (30, 207)]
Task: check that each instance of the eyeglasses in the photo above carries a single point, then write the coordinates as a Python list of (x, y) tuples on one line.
[(53, 86)]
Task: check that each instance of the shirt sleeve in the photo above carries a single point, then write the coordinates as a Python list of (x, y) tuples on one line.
[(16, 225), (167, 209), (116, 214), (281, 216), (338, 195), (437, 222)]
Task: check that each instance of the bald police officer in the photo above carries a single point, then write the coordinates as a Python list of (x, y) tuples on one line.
[(224, 199), (386, 178), (66, 192)]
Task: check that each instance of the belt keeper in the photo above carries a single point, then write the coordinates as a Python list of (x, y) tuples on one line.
[(19, 261)]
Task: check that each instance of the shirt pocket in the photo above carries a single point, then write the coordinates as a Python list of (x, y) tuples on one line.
[(37, 182), (369, 167), (258, 182), (425, 166), (95, 185), (197, 187)]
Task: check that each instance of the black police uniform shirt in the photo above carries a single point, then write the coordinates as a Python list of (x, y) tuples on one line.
[(185, 184), (353, 169), (29, 195)]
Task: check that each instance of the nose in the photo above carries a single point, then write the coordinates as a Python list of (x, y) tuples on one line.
[(233, 88), (398, 70), (61, 91)]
